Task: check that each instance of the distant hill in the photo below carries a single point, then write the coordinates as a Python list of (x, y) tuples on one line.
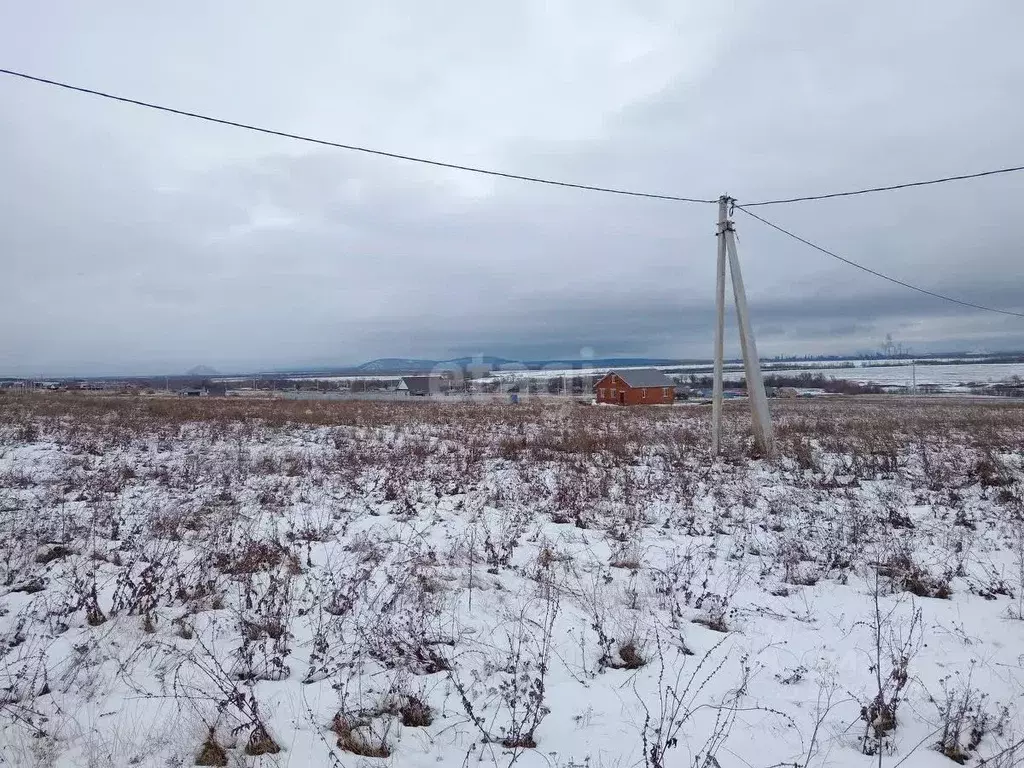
[(393, 365), (605, 362), (389, 364), (407, 365)]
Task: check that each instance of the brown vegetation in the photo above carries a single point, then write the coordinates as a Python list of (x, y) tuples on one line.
[(335, 537)]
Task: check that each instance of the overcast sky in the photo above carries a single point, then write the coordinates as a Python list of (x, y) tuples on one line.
[(139, 242)]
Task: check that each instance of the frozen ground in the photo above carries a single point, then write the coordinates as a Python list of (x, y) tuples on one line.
[(369, 584)]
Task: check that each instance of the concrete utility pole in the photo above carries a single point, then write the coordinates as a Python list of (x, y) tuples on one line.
[(760, 416), (716, 400)]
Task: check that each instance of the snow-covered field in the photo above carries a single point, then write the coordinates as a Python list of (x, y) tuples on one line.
[(946, 375), (457, 584)]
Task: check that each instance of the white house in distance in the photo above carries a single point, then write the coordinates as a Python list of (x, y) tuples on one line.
[(422, 386)]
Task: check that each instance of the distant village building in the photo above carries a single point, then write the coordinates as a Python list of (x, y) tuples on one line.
[(635, 386), (421, 386), (203, 389)]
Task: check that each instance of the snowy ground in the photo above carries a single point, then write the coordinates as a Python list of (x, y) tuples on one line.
[(945, 375), (948, 374), (379, 583)]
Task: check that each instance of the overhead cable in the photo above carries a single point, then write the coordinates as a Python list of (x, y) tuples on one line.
[(876, 273), (488, 171), (907, 185), (353, 147)]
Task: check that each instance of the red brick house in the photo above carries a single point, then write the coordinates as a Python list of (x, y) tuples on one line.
[(635, 386)]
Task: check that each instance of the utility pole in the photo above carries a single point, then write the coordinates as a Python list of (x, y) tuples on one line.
[(716, 399), (760, 416)]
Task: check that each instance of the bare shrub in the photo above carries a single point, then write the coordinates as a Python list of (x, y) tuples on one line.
[(717, 607), (360, 736), (626, 555), (26, 432), (264, 620), (254, 556), (906, 575), (524, 688), (893, 650), (990, 470), (679, 700), (1008, 750), (799, 567), (57, 552), (804, 455)]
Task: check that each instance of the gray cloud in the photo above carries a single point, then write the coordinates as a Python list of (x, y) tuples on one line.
[(132, 241)]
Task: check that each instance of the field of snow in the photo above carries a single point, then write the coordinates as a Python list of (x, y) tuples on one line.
[(946, 375), (307, 583), (940, 371), (242, 380)]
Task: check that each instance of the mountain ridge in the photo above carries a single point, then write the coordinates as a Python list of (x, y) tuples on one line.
[(394, 365)]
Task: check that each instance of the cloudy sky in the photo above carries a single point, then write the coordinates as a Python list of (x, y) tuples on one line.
[(133, 241)]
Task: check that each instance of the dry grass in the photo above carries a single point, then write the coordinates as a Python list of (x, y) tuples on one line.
[(324, 538), (415, 713), (260, 743), (211, 752), (631, 656), (358, 738), (542, 430)]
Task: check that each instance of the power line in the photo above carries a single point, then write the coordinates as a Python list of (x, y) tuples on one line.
[(876, 273), (350, 147), (907, 185), (487, 171)]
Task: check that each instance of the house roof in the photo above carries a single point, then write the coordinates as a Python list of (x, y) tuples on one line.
[(424, 385), (638, 378)]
